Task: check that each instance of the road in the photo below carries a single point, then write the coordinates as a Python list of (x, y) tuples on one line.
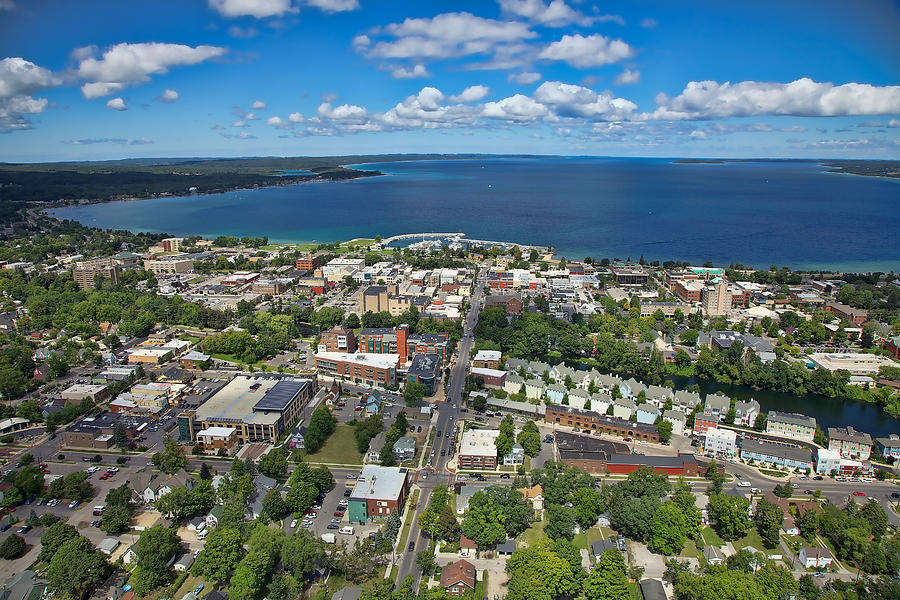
[(446, 418), (448, 412)]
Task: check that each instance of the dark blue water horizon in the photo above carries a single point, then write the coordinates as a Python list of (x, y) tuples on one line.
[(758, 213)]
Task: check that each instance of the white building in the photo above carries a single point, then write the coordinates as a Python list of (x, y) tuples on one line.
[(827, 461), (721, 442)]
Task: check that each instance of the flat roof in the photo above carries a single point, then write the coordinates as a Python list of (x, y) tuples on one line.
[(235, 401), (381, 361), (84, 388), (281, 394), (479, 442), (488, 372), (379, 483), (217, 431)]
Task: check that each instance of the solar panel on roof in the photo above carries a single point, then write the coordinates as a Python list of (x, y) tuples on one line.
[(280, 395)]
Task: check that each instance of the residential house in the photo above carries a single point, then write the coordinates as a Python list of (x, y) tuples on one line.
[(405, 448), (130, 555), (467, 547), (889, 446), (652, 589), (815, 558), (792, 425), (513, 384), (647, 413), (458, 578), (717, 405), (623, 408), (535, 389), (555, 393), (713, 555), (849, 442), (214, 516), (686, 401), (579, 399), (600, 402), (516, 456), (600, 546), (184, 562), (745, 413), (634, 387), (659, 395), (560, 372), (677, 419), (704, 421), (535, 495)]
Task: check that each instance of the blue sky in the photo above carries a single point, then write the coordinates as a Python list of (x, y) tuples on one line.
[(90, 79)]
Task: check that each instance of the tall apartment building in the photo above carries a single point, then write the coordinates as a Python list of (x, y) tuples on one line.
[(338, 339), (310, 262), (689, 290), (174, 264), (172, 244), (793, 425), (716, 299), (849, 442), (85, 272)]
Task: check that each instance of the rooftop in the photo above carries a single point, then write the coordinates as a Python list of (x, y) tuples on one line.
[(795, 453), (479, 442), (380, 483), (381, 361), (791, 418), (246, 399)]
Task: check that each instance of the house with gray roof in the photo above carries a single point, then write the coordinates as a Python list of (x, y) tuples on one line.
[(600, 402), (535, 389), (561, 371), (677, 419), (555, 392), (717, 405), (686, 401), (608, 382), (513, 384), (579, 398), (373, 454), (623, 408), (647, 413), (659, 395), (792, 425), (634, 387), (538, 368), (514, 364), (745, 413), (405, 448)]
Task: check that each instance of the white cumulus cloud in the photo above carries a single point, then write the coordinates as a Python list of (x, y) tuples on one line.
[(260, 9), (526, 78), (258, 105), (627, 77), (279, 123), (414, 73), (344, 112), (446, 35), (295, 117), (553, 14), (515, 108), (575, 101), (587, 51), (126, 64), (168, 96), (803, 97), (19, 79), (473, 93), (117, 104), (893, 123), (14, 109), (334, 5)]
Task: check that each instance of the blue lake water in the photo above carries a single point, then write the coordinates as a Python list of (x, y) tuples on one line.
[(758, 213)]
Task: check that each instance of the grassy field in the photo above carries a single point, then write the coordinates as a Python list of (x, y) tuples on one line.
[(751, 539), (690, 550), (634, 589), (580, 541), (340, 448), (481, 586), (190, 338), (532, 534), (711, 538)]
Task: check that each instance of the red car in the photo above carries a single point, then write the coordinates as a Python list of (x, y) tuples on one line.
[(858, 493), (338, 514), (105, 476)]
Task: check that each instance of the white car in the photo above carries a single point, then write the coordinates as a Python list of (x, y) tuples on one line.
[(462, 478), (342, 502), (743, 484), (293, 523)]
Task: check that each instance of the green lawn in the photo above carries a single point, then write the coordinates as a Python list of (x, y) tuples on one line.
[(593, 535), (634, 590), (771, 473), (340, 448), (190, 338), (580, 541), (751, 539), (481, 586), (711, 538), (532, 534), (690, 550)]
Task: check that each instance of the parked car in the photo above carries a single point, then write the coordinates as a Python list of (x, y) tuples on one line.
[(293, 523), (5, 527), (411, 546), (858, 493), (24, 529), (333, 526)]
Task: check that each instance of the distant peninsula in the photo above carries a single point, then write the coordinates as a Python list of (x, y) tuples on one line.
[(869, 168)]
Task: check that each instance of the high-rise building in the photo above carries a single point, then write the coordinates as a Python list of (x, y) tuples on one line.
[(85, 272), (716, 299)]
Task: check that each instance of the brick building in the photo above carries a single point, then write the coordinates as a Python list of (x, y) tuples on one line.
[(338, 339), (85, 272), (362, 367), (589, 420)]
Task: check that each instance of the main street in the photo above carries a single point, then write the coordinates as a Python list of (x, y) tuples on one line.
[(445, 420)]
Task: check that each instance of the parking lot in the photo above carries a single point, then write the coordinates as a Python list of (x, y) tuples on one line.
[(330, 505)]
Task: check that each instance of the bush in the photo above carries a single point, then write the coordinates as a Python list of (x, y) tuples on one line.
[(12, 547)]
